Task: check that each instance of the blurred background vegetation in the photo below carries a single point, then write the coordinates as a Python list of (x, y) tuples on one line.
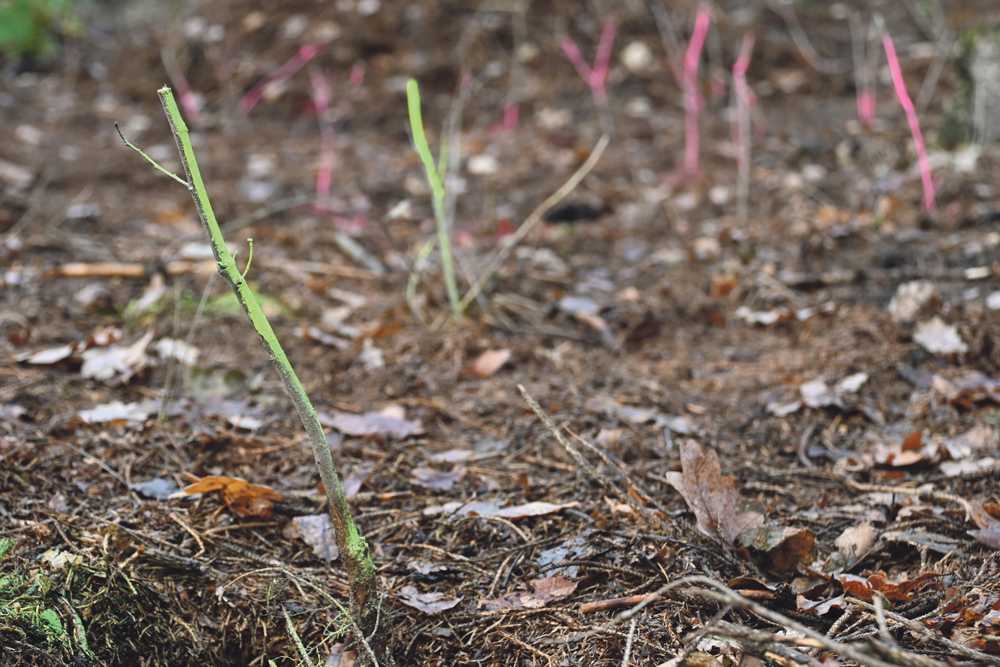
[(33, 28)]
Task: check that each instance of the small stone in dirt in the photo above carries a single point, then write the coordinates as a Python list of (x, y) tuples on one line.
[(939, 338), (483, 165), (637, 57), (371, 357), (719, 195), (639, 107), (95, 297), (84, 211), (706, 248), (910, 299), (813, 173), (16, 176)]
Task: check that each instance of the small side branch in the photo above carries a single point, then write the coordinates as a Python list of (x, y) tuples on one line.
[(151, 160)]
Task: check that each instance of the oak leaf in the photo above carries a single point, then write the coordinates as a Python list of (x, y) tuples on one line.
[(710, 496)]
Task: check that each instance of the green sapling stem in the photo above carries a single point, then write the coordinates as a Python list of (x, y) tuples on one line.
[(437, 193), (353, 547)]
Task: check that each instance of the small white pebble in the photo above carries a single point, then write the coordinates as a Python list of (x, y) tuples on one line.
[(813, 173), (483, 165), (637, 57), (294, 27), (369, 7), (719, 195), (29, 134)]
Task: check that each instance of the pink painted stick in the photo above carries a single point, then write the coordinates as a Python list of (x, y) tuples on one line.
[(357, 75), (866, 106), (294, 64), (596, 76), (692, 98), (187, 99), (911, 117), (741, 126), (863, 67), (742, 101), (511, 116), (321, 100)]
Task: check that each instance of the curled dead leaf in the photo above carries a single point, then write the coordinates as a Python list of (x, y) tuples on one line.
[(242, 497)]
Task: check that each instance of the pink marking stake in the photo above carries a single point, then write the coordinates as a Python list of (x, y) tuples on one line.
[(863, 67), (511, 117), (866, 106), (693, 102), (186, 97), (286, 71), (911, 117), (596, 76), (741, 125), (321, 100), (358, 75)]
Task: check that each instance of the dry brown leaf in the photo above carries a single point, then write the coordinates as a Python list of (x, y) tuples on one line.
[(989, 528), (372, 423), (114, 363), (429, 603), (340, 657), (352, 483), (316, 530), (437, 480), (779, 548), (242, 497), (488, 363), (710, 496), (854, 543), (865, 587), (543, 592), (819, 607), (489, 508), (619, 508)]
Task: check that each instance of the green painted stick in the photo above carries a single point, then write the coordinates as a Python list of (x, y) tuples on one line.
[(437, 194), (353, 547)]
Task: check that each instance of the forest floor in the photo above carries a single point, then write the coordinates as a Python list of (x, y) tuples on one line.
[(798, 404)]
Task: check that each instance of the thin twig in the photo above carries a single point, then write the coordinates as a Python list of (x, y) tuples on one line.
[(942, 54), (726, 596), (628, 643), (296, 639), (94, 459), (526, 646), (191, 531), (924, 631), (151, 160), (920, 493), (802, 43), (582, 462), (511, 242), (668, 35)]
